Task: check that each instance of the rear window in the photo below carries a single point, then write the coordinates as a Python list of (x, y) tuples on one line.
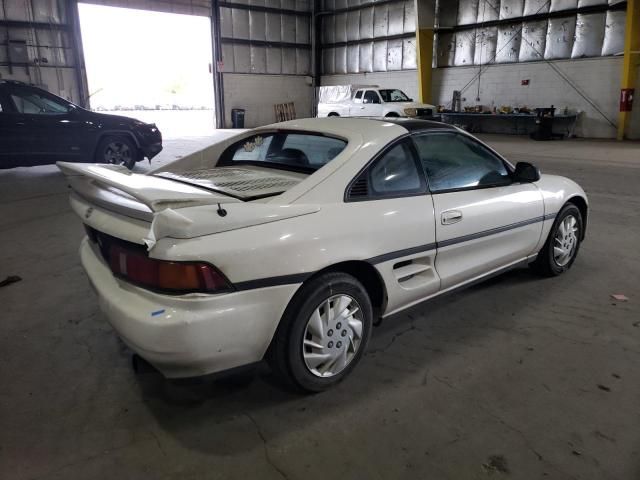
[(288, 150)]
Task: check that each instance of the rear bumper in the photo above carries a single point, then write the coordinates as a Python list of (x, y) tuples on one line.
[(189, 335)]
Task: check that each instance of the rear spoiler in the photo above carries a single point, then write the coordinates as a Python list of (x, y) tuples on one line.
[(156, 193)]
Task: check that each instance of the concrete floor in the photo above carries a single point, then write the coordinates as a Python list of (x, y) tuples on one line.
[(519, 377)]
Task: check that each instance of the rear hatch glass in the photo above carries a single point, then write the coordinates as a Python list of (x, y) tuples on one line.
[(265, 164)]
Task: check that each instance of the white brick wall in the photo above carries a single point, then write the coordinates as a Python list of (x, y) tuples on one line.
[(597, 78), (257, 94)]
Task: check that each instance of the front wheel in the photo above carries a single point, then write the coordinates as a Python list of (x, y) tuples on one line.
[(117, 150), (323, 333), (562, 245)]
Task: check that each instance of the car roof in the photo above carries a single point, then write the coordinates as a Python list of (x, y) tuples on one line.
[(417, 124), (367, 127)]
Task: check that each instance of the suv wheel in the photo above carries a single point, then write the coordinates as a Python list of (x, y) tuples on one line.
[(117, 150)]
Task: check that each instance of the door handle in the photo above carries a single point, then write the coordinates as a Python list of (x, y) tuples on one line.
[(451, 216), (361, 108)]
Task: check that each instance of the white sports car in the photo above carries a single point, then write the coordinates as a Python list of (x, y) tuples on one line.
[(287, 241)]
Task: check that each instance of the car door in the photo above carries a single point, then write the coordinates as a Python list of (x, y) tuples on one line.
[(356, 107), (484, 220), (53, 128), (371, 105), (390, 200), (15, 142)]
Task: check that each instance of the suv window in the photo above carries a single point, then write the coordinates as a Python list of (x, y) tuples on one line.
[(394, 174), (305, 151), (371, 96), (32, 102), (453, 161)]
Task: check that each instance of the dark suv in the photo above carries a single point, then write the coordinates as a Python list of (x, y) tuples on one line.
[(38, 128)]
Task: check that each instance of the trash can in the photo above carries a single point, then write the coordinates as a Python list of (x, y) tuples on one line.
[(237, 118), (544, 124)]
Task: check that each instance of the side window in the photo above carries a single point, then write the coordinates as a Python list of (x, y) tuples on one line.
[(359, 95), (393, 174), (34, 103), (453, 161), (371, 96)]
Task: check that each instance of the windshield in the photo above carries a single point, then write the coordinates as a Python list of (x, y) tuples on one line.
[(393, 95), (288, 150)]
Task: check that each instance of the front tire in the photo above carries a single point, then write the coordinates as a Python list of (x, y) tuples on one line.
[(563, 243), (323, 333), (117, 150)]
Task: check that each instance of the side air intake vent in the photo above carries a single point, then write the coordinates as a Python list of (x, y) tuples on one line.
[(360, 189)]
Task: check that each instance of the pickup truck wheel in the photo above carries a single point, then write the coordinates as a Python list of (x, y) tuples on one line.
[(333, 114), (323, 333), (117, 150), (392, 115), (562, 245)]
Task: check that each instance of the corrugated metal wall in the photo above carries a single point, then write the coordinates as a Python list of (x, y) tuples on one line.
[(545, 35), (268, 36), (41, 29), (185, 7), (364, 36), (43, 25)]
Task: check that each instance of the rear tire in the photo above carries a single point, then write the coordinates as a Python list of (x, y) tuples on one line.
[(117, 150), (333, 114), (563, 243), (323, 333)]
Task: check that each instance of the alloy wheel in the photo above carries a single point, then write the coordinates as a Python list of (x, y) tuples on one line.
[(565, 241), (117, 153)]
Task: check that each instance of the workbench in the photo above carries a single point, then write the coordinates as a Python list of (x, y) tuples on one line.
[(508, 123)]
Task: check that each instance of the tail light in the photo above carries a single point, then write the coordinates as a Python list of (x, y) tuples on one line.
[(165, 276)]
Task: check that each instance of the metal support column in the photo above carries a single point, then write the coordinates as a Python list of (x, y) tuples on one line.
[(218, 87), (73, 19), (425, 22), (631, 61)]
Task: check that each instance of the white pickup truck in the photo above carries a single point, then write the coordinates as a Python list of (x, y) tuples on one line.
[(369, 101)]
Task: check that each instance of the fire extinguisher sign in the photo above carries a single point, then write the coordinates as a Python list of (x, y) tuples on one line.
[(626, 99)]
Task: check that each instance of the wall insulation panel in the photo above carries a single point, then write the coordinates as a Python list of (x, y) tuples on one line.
[(251, 38), (344, 35), (578, 35)]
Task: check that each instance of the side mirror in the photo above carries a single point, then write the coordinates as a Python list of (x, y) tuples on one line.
[(525, 172)]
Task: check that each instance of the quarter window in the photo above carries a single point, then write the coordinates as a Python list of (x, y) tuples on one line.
[(454, 161), (394, 174), (359, 94)]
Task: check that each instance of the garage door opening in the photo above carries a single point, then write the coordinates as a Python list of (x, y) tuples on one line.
[(152, 66)]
